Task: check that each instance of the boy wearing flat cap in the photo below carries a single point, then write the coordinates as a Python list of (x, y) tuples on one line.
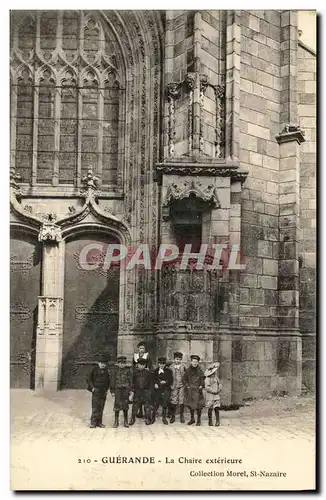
[(98, 383), (121, 382), (194, 380), (142, 388), (177, 388), (162, 379), (143, 354)]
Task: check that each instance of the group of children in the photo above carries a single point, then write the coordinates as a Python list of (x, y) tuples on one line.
[(148, 388)]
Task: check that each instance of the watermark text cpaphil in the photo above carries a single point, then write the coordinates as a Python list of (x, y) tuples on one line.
[(218, 256)]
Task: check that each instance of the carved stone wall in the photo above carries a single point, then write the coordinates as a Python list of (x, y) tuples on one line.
[(120, 117)]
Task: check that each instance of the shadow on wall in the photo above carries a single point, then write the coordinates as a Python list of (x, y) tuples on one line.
[(95, 332)]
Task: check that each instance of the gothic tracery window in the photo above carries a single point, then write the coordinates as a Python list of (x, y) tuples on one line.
[(67, 103)]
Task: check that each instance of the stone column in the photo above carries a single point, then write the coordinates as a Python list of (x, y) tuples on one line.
[(232, 104), (50, 310), (288, 279), (234, 288), (289, 370)]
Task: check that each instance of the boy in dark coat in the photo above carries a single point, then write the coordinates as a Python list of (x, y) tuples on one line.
[(121, 382), (194, 381), (142, 353), (142, 388), (98, 383), (162, 379)]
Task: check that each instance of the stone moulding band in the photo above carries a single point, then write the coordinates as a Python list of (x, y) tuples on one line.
[(208, 169)]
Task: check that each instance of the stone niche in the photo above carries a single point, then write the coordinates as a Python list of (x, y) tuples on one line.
[(195, 210)]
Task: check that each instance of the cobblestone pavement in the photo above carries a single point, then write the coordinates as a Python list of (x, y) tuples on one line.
[(52, 447)]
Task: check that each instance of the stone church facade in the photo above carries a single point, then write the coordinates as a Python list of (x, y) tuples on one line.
[(159, 127)]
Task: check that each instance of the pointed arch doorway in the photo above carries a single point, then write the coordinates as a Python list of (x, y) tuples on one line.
[(91, 308)]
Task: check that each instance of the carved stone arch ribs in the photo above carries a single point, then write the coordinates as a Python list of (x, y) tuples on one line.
[(232, 83), (141, 163), (203, 191), (145, 123), (117, 25), (122, 24), (153, 31), (68, 76), (23, 31), (45, 76)]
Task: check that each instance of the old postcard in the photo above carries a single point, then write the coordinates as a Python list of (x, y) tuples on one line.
[(163, 250)]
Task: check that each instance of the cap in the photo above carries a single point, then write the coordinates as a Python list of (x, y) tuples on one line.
[(102, 358), (141, 344), (194, 356), (178, 355), (162, 359), (142, 361), (212, 369), (121, 358)]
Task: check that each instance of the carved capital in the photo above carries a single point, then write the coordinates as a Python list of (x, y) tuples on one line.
[(291, 133), (172, 90), (50, 233), (239, 176), (14, 178), (207, 193), (219, 91), (203, 83), (190, 81)]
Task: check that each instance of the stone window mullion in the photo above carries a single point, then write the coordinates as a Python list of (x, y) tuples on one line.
[(13, 109), (36, 107), (100, 133), (57, 108), (35, 134), (79, 136), (79, 109), (57, 114), (13, 125), (120, 170)]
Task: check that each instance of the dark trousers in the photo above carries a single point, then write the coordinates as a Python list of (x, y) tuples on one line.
[(142, 397), (98, 403), (161, 398)]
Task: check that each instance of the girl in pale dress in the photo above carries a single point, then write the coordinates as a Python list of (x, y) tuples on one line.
[(212, 391)]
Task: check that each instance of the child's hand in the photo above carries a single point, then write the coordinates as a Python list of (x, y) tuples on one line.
[(156, 386)]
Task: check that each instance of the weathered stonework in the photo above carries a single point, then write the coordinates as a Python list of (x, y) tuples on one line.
[(112, 133)]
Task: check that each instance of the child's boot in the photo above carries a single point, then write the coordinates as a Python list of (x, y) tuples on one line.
[(182, 414), (116, 419), (165, 422), (173, 409), (217, 416), (192, 417), (125, 418)]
